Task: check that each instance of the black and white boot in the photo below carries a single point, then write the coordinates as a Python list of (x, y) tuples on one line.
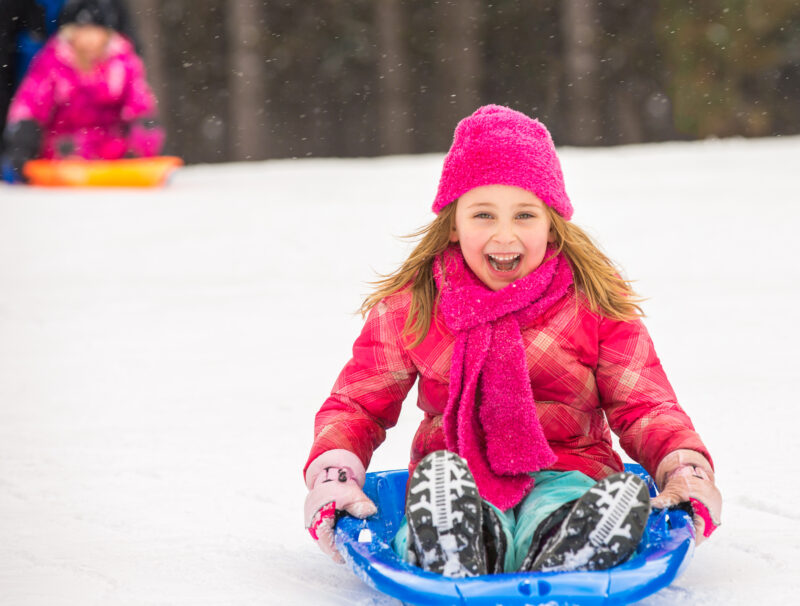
[(602, 529), (444, 515), (495, 541)]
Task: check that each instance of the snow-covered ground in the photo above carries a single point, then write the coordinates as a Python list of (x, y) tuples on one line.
[(162, 354)]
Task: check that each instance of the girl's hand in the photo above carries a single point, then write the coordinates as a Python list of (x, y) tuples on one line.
[(686, 476), (145, 138), (22, 144), (334, 479)]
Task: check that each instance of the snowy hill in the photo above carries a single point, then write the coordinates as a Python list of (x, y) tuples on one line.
[(162, 355)]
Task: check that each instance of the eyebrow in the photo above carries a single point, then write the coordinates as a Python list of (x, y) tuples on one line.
[(520, 206)]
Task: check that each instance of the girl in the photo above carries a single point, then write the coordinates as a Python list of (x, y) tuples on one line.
[(529, 350), (85, 94)]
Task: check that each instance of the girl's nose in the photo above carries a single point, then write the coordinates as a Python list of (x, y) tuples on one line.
[(504, 234)]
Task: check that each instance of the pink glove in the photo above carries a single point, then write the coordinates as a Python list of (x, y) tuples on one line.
[(687, 476), (145, 138), (334, 480)]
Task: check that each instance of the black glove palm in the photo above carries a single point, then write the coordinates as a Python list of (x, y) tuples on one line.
[(23, 139)]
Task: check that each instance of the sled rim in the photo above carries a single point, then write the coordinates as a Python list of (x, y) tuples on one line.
[(125, 172), (663, 555)]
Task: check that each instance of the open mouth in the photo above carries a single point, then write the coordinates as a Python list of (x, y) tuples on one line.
[(504, 262)]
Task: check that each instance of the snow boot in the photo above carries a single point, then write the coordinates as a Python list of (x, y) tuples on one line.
[(494, 540), (544, 532), (602, 529), (445, 521)]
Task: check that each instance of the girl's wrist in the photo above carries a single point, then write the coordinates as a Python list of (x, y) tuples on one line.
[(338, 458)]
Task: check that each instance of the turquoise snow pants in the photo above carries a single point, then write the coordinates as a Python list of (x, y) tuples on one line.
[(550, 491)]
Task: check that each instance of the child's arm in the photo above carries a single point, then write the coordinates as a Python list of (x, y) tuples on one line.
[(145, 133), (653, 429), (369, 392), (29, 112), (365, 401), (34, 99), (639, 401)]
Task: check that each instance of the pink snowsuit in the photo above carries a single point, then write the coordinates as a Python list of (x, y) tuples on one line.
[(98, 114)]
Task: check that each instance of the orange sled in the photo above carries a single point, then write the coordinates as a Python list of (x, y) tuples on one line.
[(127, 172)]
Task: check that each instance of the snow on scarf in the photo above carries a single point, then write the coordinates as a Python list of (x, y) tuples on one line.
[(490, 418)]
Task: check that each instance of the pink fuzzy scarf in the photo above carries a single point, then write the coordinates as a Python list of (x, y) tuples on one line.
[(490, 418)]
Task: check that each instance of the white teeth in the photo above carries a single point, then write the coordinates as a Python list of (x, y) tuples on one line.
[(504, 258), (504, 262)]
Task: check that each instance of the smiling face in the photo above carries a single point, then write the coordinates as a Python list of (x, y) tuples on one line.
[(503, 232)]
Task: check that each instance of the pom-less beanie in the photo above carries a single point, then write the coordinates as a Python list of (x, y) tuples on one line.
[(105, 13), (500, 146)]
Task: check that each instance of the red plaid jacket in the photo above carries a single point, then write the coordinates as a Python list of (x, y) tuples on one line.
[(589, 375)]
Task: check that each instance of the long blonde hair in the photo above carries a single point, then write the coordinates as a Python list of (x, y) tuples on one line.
[(596, 278)]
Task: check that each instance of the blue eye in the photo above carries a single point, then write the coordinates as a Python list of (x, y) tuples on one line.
[(483, 216), (525, 216)]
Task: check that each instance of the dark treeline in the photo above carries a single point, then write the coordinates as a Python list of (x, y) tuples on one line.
[(253, 79)]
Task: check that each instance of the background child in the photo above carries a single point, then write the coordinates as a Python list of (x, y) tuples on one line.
[(529, 350), (85, 94)]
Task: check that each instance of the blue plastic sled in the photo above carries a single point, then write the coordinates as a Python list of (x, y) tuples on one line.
[(662, 556)]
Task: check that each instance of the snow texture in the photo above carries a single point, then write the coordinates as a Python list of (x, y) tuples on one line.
[(162, 354)]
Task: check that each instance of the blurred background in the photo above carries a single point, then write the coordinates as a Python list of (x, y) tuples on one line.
[(257, 79)]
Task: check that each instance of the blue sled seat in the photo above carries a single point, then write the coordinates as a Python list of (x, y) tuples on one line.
[(662, 556)]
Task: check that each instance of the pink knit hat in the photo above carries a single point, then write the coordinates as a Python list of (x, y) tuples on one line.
[(499, 146)]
